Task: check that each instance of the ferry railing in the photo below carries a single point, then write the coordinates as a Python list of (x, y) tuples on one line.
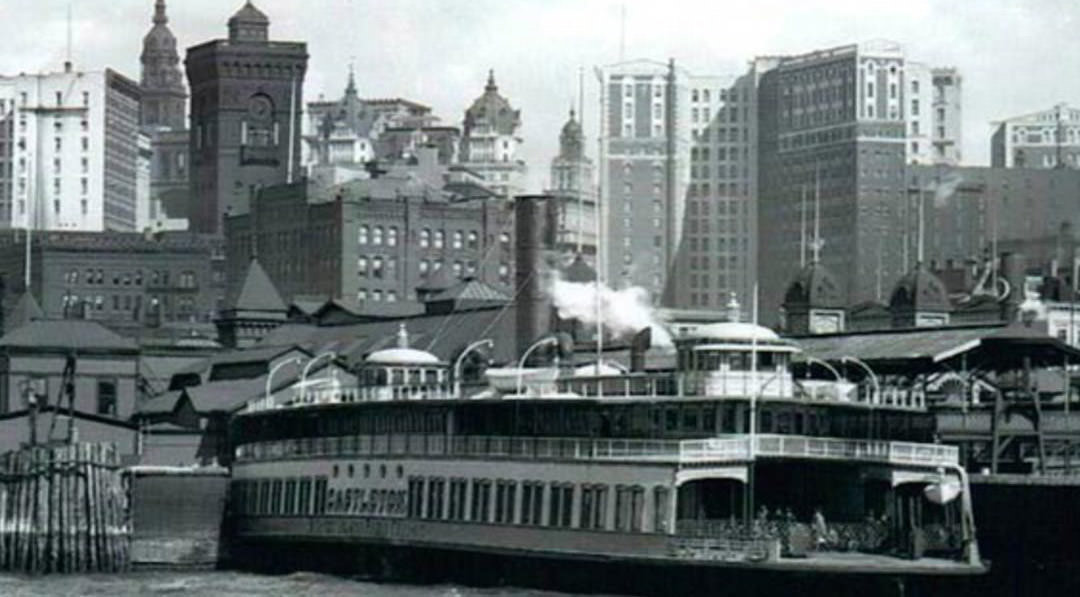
[(711, 450)]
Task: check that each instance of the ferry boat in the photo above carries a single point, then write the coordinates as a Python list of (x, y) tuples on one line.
[(721, 471)]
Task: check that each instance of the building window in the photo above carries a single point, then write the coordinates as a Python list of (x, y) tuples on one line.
[(473, 239), (106, 397), (59, 98), (458, 238), (423, 267), (362, 235), (425, 238), (377, 235), (377, 267), (391, 236), (440, 239)]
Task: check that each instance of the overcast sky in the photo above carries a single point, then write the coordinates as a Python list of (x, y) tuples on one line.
[(1015, 56)]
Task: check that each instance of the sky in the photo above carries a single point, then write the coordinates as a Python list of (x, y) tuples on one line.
[(1015, 56)]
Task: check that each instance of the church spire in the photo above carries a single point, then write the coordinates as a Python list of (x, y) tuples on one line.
[(160, 18), (491, 81), (350, 88)]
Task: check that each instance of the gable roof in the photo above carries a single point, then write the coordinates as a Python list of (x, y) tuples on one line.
[(258, 292), (67, 334), (25, 310), (470, 291)]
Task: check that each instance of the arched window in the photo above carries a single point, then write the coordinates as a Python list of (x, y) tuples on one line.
[(362, 236), (391, 236), (458, 239), (474, 239), (425, 238), (440, 239), (361, 266), (377, 236)]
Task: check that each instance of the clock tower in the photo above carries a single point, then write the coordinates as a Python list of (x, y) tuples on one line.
[(246, 97)]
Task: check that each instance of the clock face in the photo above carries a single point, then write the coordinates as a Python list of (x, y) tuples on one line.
[(259, 107)]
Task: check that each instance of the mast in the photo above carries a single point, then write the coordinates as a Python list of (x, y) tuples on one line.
[(802, 229), (581, 183), (601, 250), (292, 130)]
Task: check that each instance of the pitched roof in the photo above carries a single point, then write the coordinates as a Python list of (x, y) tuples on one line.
[(67, 334), (471, 290), (444, 335), (26, 309), (1002, 347), (258, 292)]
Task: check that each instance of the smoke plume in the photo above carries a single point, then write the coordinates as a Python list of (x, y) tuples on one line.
[(945, 188), (623, 312)]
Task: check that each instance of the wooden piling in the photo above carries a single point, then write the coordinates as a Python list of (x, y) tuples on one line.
[(63, 508)]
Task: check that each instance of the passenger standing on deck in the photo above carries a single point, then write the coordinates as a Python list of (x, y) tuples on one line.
[(821, 531)]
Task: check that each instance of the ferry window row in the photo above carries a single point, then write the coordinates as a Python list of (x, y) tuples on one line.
[(553, 504), (673, 420), (280, 496)]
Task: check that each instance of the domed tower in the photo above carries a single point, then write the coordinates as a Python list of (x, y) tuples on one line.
[(813, 302), (491, 141), (164, 98), (919, 300), (571, 182)]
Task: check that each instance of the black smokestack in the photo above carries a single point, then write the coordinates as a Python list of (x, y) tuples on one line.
[(534, 237), (638, 346)]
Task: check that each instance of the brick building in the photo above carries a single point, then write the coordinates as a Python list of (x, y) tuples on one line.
[(835, 131), (374, 240), (124, 279), (246, 95)]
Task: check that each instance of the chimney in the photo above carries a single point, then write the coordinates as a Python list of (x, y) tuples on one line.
[(534, 233), (638, 345)]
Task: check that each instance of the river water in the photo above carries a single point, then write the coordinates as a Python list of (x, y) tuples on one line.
[(233, 584)]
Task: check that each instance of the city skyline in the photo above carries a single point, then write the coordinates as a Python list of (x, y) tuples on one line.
[(538, 50)]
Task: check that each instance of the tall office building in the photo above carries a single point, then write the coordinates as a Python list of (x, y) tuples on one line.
[(246, 95), (834, 141), (1046, 139), (69, 150), (677, 169), (573, 187), (491, 141), (163, 118), (933, 114)]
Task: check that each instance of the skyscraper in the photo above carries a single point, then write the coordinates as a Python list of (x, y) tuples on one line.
[(677, 170), (246, 94), (572, 186), (69, 150), (491, 141), (834, 139)]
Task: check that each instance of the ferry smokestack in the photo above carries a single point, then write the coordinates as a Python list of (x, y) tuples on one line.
[(639, 344), (534, 238)]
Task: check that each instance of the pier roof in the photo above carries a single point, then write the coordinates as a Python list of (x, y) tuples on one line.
[(993, 347)]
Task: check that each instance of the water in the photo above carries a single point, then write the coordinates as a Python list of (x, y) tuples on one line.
[(233, 584)]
